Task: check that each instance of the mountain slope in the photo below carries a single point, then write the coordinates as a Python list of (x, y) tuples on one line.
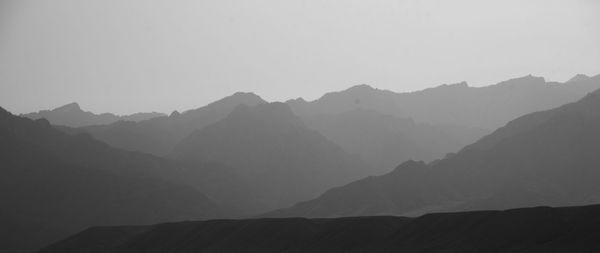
[(544, 158), (53, 184), (540, 229), (159, 135), (274, 151), (71, 115), (488, 107), (384, 141)]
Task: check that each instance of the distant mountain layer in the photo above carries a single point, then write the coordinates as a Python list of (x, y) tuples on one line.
[(53, 184), (540, 229), (544, 158), (71, 115), (384, 141), (158, 136), (281, 159), (486, 107)]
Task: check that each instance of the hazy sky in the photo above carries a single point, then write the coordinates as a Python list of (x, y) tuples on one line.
[(126, 56)]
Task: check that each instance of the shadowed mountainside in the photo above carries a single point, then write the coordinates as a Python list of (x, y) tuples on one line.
[(544, 158), (274, 152), (71, 115), (540, 229), (53, 184)]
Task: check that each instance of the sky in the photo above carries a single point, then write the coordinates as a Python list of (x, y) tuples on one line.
[(126, 56)]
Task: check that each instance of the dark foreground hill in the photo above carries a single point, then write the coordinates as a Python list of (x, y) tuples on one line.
[(539, 229)]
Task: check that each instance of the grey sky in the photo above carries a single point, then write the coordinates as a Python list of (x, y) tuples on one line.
[(126, 56)]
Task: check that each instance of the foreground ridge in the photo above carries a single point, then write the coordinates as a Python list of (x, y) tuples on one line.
[(538, 229)]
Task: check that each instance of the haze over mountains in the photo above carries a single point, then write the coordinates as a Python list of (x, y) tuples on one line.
[(73, 116), (544, 158), (242, 156), (284, 160), (487, 107), (159, 135)]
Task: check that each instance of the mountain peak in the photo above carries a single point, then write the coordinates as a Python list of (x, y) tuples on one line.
[(68, 107), (525, 80), (361, 87), (578, 77)]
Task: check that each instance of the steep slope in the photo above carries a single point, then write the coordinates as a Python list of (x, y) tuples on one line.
[(544, 158), (384, 141), (159, 135), (488, 107), (274, 151), (73, 116), (540, 229), (53, 184)]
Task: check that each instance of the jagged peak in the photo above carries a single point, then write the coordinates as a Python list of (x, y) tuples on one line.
[(243, 97), (462, 84), (524, 80), (296, 100), (578, 77), (174, 114), (69, 107)]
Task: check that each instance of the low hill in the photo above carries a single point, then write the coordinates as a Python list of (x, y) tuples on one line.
[(539, 229)]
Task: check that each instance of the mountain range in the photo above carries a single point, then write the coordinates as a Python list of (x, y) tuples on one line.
[(73, 116), (53, 184), (336, 156), (544, 158), (274, 152), (158, 136), (487, 107)]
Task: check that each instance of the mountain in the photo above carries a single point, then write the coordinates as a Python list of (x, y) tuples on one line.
[(274, 152), (539, 229), (53, 184), (577, 78), (73, 116), (159, 135), (384, 141), (488, 107), (544, 158)]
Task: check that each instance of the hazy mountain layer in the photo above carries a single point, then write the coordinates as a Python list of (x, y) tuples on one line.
[(540, 229), (544, 158), (384, 141), (71, 115), (159, 135), (274, 152), (53, 184), (486, 107)]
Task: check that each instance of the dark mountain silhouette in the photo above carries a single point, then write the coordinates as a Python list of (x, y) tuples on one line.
[(539, 229), (159, 135), (544, 158), (384, 141), (53, 184), (73, 116), (486, 107), (274, 152)]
